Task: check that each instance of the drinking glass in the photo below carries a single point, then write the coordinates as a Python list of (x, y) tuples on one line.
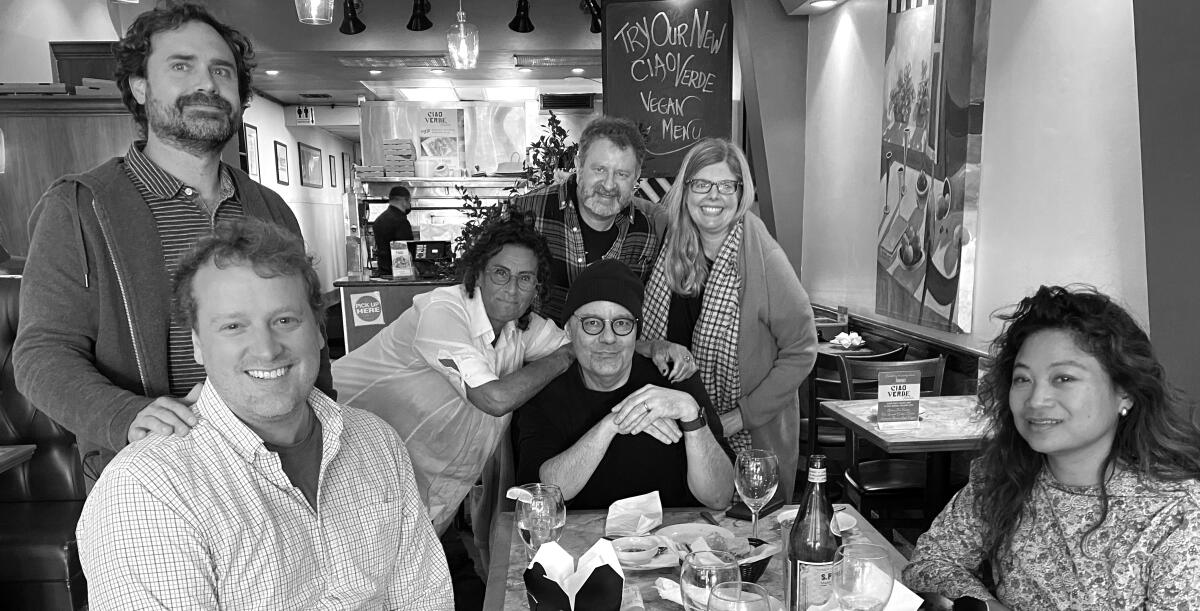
[(701, 572), (863, 580), (738, 596), (756, 480), (541, 518)]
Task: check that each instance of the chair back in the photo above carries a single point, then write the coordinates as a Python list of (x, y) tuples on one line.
[(833, 389), (860, 378), (54, 472)]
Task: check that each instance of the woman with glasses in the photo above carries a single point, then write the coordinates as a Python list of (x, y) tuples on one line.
[(723, 288), (1086, 493), (614, 426), (449, 371)]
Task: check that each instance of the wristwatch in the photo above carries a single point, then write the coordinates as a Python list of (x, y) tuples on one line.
[(693, 425)]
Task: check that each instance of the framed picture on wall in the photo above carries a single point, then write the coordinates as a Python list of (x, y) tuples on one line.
[(332, 171), (250, 148), (310, 165), (345, 172), (281, 163)]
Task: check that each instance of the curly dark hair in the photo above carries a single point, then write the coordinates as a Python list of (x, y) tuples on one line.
[(1156, 438), (270, 249), (133, 51), (620, 131), (515, 228)]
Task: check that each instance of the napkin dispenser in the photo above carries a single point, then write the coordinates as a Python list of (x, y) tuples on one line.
[(553, 584)]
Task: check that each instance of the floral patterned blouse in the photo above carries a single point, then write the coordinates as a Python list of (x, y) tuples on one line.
[(1145, 556)]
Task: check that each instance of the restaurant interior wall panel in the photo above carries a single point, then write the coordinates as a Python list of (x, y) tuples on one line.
[(1168, 57), (772, 84), (321, 211), (1060, 196), (45, 139)]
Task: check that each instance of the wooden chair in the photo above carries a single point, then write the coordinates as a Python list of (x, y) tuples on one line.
[(829, 435), (881, 486)]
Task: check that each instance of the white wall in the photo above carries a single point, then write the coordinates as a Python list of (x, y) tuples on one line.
[(321, 211), (1061, 189), (28, 26)]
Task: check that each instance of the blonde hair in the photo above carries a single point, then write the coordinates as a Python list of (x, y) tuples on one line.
[(685, 269)]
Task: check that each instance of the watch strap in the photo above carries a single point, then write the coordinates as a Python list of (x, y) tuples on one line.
[(693, 425)]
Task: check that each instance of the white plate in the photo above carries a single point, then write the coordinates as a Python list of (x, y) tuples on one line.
[(685, 534)]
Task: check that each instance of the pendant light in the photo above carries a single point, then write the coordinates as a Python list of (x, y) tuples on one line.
[(419, 22), (521, 23), (462, 41), (351, 24), (315, 12)]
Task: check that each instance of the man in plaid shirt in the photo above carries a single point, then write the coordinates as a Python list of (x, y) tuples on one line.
[(278, 497), (594, 214)]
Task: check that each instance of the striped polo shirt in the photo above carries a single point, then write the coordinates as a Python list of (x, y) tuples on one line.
[(182, 221)]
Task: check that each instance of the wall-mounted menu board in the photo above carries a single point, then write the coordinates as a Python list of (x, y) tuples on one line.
[(668, 66)]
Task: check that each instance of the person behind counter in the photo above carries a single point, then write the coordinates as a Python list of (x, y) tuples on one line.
[(723, 288), (1086, 494), (391, 225)]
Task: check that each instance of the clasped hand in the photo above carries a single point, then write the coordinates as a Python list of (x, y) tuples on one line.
[(654, 410)]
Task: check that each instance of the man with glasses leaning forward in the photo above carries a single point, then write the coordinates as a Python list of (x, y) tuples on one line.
[(449, 372), (612, 426)]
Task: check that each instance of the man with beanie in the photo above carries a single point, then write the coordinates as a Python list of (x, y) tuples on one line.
[(612, 426)]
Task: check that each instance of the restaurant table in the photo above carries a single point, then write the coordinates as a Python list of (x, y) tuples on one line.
[(506, 586), (948, 424), (11, 456)]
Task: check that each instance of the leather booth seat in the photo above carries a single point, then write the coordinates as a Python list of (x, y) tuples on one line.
[(40, 500)]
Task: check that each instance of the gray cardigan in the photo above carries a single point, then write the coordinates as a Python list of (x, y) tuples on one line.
[(91, 348)]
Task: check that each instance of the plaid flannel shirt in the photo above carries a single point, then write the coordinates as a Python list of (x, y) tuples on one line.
[(556, 218)]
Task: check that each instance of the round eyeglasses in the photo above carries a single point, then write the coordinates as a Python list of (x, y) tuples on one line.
[(501, 276), (593, 325), (699, 186)]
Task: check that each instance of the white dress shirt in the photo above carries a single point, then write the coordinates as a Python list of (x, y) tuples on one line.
[(415, 372), (211, 521)]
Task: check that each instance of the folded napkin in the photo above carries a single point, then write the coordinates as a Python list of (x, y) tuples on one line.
[(848, 340), (554, 583), (634, 516)]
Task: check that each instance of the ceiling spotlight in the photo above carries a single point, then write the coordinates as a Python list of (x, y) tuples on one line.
[(524, 69), (315, 12), (822, 3), (438, 70), (521, 23), (375, 72), (577, 70), (271, 72), (462, 42), (420, 19), (351, 24)]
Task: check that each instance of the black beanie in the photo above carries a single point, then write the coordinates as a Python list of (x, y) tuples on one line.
[(606, 280)]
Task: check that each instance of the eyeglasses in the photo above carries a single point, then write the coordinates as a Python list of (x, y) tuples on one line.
[(700, 186), (595, 326), (501, 276)]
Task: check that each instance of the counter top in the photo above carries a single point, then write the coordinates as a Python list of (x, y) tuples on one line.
[(344, 282)]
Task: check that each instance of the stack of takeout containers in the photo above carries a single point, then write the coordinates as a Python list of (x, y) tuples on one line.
[(399, 158)]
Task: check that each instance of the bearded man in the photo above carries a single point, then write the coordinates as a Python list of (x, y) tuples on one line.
[(96, 348)]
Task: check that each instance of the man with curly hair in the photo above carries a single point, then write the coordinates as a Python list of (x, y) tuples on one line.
[(105, 242)]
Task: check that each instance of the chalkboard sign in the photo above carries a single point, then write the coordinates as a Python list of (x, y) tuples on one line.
[(668, 66)]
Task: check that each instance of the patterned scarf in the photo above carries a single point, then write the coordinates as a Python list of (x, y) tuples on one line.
[(714, 340)]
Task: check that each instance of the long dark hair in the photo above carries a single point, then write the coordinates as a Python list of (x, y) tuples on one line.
[(1155, 439), (516, 229)]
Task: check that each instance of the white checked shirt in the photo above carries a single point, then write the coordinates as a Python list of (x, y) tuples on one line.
[(210, 521), (415, 372)]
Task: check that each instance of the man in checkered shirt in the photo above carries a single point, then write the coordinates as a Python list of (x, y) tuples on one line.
[(279, 497)]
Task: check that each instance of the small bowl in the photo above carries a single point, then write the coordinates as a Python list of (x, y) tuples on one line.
[(635, 550)]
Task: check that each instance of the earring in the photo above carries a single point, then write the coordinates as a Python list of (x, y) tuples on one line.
[(1124, 412)]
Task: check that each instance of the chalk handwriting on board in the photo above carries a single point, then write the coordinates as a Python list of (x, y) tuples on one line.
[(668, 67)]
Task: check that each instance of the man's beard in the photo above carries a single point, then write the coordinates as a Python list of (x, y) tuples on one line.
[(193, 133)]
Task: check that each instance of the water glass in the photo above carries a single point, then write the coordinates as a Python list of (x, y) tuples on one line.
[(541, 516), (864, 578), (756, 479), (738, 596), (703, 571)]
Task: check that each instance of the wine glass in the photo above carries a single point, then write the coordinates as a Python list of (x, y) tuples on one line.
[(541, 516), (756, 480), (701, 572), (738, 596), (863, 580)]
